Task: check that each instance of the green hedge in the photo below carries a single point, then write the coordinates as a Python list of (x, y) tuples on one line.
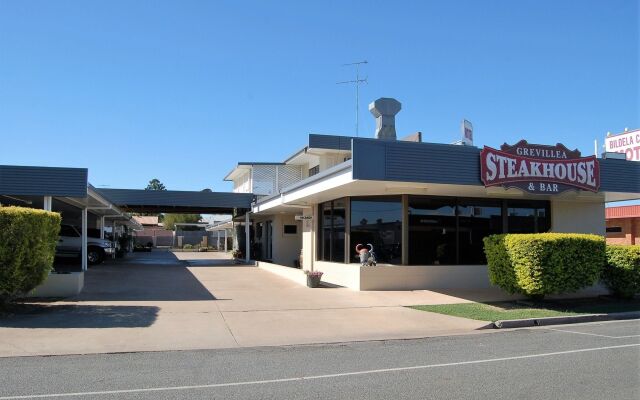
[(28, 240), (544, 263), (622, 271)]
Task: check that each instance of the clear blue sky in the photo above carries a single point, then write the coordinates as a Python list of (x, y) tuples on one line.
[(183, 90)]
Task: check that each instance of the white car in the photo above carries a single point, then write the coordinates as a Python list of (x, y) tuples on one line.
[(70, 245)]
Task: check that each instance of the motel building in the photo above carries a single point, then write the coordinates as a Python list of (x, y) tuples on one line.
[(424, 208)]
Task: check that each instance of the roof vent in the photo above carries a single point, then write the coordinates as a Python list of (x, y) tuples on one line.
[(385, 110)]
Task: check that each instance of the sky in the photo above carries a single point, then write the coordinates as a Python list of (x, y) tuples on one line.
[(183, 90)]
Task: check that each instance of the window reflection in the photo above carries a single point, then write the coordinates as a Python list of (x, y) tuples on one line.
[(432, 230), (331, 231), (378, 221)]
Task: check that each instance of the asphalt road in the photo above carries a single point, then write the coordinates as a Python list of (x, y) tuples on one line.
[(588, 361)]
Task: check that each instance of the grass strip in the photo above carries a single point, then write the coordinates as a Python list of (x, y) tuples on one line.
[(521, 310)]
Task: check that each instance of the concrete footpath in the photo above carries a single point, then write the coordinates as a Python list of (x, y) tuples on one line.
[(161, 301)]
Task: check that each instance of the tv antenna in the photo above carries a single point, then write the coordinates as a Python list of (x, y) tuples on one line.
[(357, 82)]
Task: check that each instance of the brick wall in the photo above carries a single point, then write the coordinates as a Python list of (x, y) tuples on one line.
[(630, 231)]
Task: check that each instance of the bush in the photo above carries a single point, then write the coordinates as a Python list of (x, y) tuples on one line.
[(28, 240), (544, 263), (622, 271), (187, 246)]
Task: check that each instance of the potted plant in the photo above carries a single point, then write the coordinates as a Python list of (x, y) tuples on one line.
[(313, 278)]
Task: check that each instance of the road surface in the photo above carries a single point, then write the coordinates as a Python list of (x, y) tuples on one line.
[(587, 361)]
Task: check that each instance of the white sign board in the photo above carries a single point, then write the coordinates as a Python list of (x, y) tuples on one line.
[(626, 142), (304, 217)]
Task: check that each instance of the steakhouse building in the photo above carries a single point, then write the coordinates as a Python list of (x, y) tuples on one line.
[(424, 207)]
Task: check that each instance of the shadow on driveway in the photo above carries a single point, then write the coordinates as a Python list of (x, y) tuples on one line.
[(34, 316), (155, 276)]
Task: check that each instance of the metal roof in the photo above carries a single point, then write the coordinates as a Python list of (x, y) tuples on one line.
[(623, 212), (43, 181), (138, 200)]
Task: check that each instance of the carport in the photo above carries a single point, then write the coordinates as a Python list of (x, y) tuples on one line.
[(67, 191), (178, 201)]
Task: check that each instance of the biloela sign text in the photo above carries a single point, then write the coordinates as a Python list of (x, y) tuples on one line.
[(538, 168)]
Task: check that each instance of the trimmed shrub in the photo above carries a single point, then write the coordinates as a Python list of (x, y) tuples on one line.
[(187, 246), (28, 240), (622, 271), (544, 263)]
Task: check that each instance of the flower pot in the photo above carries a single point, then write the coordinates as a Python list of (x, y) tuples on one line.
[(313, 281)]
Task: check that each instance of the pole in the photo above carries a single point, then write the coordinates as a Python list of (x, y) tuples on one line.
[(84, 239), (357, 82), (47, 203), (247, 245), (357, 100)]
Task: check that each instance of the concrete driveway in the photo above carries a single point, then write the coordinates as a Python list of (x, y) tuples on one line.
[(161, 301)]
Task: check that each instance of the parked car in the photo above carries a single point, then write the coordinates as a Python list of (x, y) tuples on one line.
[(70, 245)]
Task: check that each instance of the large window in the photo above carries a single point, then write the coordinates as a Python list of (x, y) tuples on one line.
[(450, 230), (477, 219), (527, 216), (331, 231), (377, 221), (432, 230), (442, 230)]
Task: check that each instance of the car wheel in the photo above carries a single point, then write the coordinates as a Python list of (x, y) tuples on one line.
[(95, 255)]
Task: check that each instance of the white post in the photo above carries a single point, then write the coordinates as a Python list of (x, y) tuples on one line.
[(247, 244), (225, 240), (47, 203), (102, 227), (113, 235), (84, 239), (218, 242)]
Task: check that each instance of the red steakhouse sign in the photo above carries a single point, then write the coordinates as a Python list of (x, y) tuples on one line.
[(538, 168)]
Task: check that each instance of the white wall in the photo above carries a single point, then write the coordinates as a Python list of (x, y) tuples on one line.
[(286, 248), (430, 277), (576, 217), (347, 275)]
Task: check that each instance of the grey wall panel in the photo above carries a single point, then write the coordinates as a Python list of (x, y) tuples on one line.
[(619, 176), (180, 201), (43, 181), (453, 164), (330, 142), (416, 162)]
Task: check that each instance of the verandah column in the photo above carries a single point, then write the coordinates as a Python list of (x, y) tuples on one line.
[(405, 229), (247, 245)]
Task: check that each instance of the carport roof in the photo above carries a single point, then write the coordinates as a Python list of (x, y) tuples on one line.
[(43, 181), (177, 201)]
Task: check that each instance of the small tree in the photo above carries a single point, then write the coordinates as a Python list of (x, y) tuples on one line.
[(28, 240), (155, 184)]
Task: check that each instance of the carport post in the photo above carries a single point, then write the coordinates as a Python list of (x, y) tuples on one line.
[(225, 240), (102, 227), (84, 238), (247, 245), (47, 203)]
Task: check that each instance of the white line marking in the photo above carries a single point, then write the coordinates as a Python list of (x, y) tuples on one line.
[(592, 334), (312, 377)]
